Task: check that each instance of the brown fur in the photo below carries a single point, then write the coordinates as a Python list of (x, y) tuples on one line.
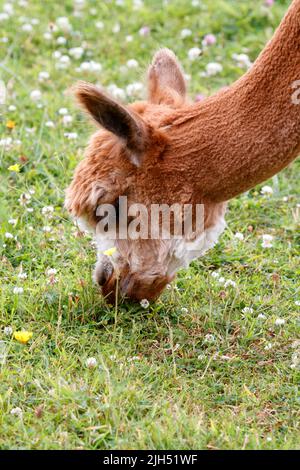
[(166, 150)]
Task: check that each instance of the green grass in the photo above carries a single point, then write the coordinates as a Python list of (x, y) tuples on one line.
[(211, 376)]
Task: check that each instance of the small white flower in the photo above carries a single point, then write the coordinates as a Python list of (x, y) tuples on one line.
[(48, 211), (91, 362), (194, 53), (134, 89), (12, 221), (12, 108), (116, 92), (22, 275), (47, 229), (43, 76), (63, 24), (67, 120), (71, 135), (49, 124), (63, 62), (185, 33), (215, 274), (267, 241), (144, 303), (36, 95), (297, 303), (99, 24), (209, 338), (61, 41), (279, 321), (213, 68), (247, 310), (63, 111), (116, 28), (132, 64), (230, 283), (261, 316), (17, 412), (56, 55), (242, 60), (8, 331), (221, 280), (184, 310), (268, 347), (76, 52), (90, 66), (9, 235), (18, 290), (267, 190), (51, 271), (27, 27), (239, 236), (129, 38), (48, 36)]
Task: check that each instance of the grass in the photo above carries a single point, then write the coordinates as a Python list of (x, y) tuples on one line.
[(210, 376)]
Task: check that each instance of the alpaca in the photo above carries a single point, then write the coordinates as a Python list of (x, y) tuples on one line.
[(167, 150)]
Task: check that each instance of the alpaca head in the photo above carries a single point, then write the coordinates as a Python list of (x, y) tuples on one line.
[(123, 159)]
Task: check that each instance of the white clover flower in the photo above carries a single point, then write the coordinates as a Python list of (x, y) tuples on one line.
[(22, 275), (116, 92), (9, 235), (8, 8), (12, 108), (61, 41), (36, 95), (134, 89), (230, 283), (48, 211), (12, 221), (213, 68), (184, 310), (6, 142), (63, 24), (63, 62), (195, 3), (221, 280), (63, 111), (47, 229), (18, 290), (297, 303), (215, 274), (27, 28), (247, 310), (267, 190), (24, 199), (90, 66), (67, 120), (209, 338), (8, 331), (129, 38), (268, 347), (144, 303), (56, 55), (261, 316), (242, 60), (99, 24), (185, 33), (132, 64), (76, 52), (116, 28), (71, 135), (4, 16), (43, 76), (279, 321), (49, 124), (17, 412), (239, 236), (91, 362), (267, 241), (51, 271), (47, 36), (194, 53)]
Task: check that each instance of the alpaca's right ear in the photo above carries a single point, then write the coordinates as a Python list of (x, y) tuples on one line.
[(114, 117), (166, 82)]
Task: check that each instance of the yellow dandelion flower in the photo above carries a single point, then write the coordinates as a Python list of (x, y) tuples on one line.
[(10, 124), (23, 336), (110, 251), (16, 168)]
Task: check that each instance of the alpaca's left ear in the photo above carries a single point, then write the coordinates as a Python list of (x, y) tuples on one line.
[(166, 83), (114, 117)]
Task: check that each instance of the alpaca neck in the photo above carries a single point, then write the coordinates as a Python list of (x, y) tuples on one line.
[(246, 134)]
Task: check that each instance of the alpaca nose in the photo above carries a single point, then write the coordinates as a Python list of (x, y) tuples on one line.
[(103, 272)]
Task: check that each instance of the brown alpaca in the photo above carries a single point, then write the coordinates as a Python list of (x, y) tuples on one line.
[(166, 150)]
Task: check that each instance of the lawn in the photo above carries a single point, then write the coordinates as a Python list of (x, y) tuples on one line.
[(211, 365)]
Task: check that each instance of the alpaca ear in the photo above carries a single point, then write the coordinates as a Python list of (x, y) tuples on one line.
[(114, 117), (166, 83)]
